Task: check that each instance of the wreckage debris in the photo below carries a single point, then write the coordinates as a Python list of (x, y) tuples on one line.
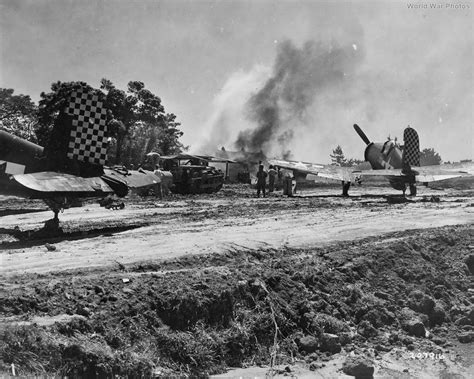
[(50, 247), (109, 203)]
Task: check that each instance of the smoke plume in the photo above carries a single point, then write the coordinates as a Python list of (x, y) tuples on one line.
[(228, 116), (299, 76)]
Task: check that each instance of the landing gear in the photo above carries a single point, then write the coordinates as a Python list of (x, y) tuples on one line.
[(412, 187), (51, 227), (345, 188)]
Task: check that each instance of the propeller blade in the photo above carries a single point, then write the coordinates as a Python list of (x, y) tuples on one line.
[(361, 134)]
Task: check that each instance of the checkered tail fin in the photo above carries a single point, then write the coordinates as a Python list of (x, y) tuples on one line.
[(88, 135), (411, 150)]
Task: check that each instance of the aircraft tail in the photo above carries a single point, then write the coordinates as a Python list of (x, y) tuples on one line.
[(80, 133), (411, 150), (87, 142)]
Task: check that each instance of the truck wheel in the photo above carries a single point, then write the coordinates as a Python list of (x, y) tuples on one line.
[(196, 186)]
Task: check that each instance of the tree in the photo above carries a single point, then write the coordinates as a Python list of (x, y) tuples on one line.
[(337, 156), (429, 157), (123, 108), (140, 124), (18, 114), (168, 137)]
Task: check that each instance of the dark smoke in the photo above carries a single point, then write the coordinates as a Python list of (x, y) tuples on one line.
[(283, 141), (299, 76)]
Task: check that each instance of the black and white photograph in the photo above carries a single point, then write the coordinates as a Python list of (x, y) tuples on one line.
[(236, 189)]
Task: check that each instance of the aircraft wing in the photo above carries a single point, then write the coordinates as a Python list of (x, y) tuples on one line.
[(208, 158), (324, 171), (48, 184), (423, 174), (138, 181), (52, 184)]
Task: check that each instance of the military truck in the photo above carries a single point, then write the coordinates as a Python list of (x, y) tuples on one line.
[(192, 173)]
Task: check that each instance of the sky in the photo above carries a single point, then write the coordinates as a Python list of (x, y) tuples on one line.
[(318, 67)]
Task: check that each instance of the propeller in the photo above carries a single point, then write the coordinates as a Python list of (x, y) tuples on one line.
[(361, 134)]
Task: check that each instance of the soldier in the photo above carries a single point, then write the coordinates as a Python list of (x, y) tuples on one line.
[(272, 173), (280, 179), (159, 187), (261, 180)]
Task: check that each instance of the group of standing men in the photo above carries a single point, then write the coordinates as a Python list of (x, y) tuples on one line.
[(262, 179)]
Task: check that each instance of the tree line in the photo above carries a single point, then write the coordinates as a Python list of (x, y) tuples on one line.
[(137, 120)]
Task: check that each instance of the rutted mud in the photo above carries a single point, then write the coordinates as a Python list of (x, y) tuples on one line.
[(30, 238)]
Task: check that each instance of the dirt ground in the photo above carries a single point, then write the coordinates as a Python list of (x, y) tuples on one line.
[(276, 286)]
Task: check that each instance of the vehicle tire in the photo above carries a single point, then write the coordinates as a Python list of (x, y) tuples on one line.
[(196, 186)]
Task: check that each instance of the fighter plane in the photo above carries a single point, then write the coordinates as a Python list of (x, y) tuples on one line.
[(399, 164), (72, 165)]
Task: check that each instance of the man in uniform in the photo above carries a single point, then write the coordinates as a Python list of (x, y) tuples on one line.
[(159, 187), (261, 180), (272, 173)]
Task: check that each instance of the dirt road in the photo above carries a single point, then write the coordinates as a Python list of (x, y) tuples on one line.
[(161, 230)]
